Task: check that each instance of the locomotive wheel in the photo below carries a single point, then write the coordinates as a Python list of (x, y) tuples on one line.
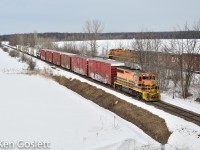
[(118, 87), (139, 95)]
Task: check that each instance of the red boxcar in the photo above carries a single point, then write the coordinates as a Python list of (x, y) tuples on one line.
[(49, 56), (66, 60), (79, 65), (173, 59), (192, 59), (103, 70), (43, 54), (56, 58)]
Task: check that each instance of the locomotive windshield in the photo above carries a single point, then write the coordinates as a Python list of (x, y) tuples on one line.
[(146, 77), (149, 77)]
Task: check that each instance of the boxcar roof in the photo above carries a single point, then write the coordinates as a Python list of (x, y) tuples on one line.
[(48, 50), (67, 53), (59, 52), (136, 71), (109, 61)]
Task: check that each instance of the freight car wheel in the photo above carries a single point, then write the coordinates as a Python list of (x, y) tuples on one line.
[(134, 93)]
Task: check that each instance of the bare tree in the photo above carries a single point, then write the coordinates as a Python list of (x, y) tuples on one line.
[(147, 50), (143, 48), (16, 39), (21, 40), (31, 64), (92, 29), (149, 58), (175, 77), (35, 38), (105, 50), (184, 50), (83, 49), (45, 42)]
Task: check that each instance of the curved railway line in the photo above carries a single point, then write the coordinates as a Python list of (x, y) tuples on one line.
[(178, 111), (172, 109), (169, 108)]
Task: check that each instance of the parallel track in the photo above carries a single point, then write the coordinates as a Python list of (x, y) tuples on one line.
[(177, 111), (172, 109)]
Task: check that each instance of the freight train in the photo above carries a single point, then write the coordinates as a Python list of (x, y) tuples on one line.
[(108, 71), (167, 58), (121, 54)]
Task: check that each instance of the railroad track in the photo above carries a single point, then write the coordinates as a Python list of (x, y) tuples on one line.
[(177, 111), (169, 108)]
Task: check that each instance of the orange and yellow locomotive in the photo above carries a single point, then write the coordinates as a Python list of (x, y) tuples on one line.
[(139, 84)]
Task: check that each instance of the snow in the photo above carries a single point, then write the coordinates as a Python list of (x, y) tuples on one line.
[(10, 64), (34, 108), (5, 42), (50, 112), (105, 45), (94, 127), (188, 104)]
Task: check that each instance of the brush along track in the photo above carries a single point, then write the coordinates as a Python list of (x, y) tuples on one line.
[(174, 110), (177, 111), (150, 123)]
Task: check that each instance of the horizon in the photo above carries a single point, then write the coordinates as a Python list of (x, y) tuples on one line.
[(100, 33)]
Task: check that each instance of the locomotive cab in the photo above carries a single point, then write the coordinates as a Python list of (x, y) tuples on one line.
[(150, 90)]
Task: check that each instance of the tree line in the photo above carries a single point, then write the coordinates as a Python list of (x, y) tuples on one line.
[(103, 36)]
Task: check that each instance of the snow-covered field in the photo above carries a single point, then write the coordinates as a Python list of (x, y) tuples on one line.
[(104, 46), (36, 108)]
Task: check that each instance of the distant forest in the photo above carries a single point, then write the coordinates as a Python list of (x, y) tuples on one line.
[(105, 36)]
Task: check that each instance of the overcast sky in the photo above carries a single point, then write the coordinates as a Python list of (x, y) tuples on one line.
[(25, 16)]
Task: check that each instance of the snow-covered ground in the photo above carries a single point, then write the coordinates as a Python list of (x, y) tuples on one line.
[(34, 108), (54, 113), (187, 103)]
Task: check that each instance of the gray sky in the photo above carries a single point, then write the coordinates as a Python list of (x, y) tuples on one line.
[(25, 16)]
